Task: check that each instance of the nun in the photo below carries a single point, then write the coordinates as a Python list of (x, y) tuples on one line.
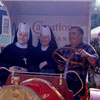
[(20, 55), (46, 46)]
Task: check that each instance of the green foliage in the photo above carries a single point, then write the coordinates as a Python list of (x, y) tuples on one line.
[(95, 44), (95, 14), (97, 48), (90, 85)]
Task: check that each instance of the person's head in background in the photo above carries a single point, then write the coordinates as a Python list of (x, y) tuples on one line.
[(23, 37), (75, 35), (46, 37)]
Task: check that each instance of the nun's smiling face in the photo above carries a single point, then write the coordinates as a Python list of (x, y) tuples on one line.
[(22, 38), (44, 40)]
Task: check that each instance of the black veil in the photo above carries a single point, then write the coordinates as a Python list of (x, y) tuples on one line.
[(29, 41), (52, 43)]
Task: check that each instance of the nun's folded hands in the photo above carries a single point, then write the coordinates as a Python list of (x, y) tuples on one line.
[(42, 64), (17, 69)]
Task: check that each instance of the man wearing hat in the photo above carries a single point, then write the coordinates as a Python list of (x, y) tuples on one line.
[(84, 51)]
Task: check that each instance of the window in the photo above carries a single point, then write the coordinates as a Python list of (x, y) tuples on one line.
[(5, 25)]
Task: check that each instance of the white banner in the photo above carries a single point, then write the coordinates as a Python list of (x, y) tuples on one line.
[(59, 24)]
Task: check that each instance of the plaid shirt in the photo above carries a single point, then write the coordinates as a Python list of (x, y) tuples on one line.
[(82, 70)]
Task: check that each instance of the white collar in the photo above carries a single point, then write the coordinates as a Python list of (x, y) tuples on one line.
[(44, 48), (21, 46)]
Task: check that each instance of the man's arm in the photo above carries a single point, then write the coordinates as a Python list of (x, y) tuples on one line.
[(91, 58)]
